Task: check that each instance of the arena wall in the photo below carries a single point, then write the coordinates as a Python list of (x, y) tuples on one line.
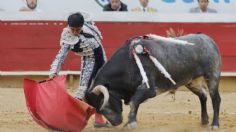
[(32, 45), (30, 42)]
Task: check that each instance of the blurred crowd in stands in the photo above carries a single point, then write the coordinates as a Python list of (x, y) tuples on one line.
[(118, 5)]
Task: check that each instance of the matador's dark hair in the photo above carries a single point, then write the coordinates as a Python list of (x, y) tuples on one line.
[(76, 20)]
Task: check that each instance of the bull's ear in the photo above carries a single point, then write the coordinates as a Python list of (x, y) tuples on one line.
[(92, 99), (107, 85)]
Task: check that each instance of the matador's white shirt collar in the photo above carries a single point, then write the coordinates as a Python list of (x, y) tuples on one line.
[(68, 37)]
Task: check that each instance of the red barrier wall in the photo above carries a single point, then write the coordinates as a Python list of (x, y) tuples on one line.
[(32, 45)]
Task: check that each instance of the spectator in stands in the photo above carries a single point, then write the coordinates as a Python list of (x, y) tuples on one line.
[(144, 7), (202, 8), (115, 5), (31, 5), (83, 38)]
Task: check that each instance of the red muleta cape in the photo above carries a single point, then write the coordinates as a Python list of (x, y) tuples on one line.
[(53, 108)]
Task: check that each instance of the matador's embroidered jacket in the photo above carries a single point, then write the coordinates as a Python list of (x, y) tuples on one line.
[(87, 45)]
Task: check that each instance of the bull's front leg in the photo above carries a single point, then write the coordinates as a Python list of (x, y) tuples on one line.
[(140, 96)]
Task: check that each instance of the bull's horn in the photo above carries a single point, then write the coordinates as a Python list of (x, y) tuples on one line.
[(101, 89)]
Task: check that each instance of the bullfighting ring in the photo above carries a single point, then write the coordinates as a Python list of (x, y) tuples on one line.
[(161, 113)]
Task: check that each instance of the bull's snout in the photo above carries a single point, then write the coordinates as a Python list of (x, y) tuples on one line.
[(116, 121), (113, 118)]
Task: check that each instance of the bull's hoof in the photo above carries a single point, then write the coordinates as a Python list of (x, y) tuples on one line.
[(205, 122), (205, 119), (214, 127), (131, 125)]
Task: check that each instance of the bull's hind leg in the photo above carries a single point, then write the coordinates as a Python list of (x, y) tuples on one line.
[(140, 95), (213, 84), (198, 88)]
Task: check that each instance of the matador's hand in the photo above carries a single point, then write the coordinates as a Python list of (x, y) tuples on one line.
[(51, 76)]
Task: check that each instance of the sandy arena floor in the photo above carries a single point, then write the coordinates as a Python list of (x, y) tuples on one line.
[(158, 114)]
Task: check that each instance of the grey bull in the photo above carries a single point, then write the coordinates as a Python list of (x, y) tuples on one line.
[(189, 65)]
